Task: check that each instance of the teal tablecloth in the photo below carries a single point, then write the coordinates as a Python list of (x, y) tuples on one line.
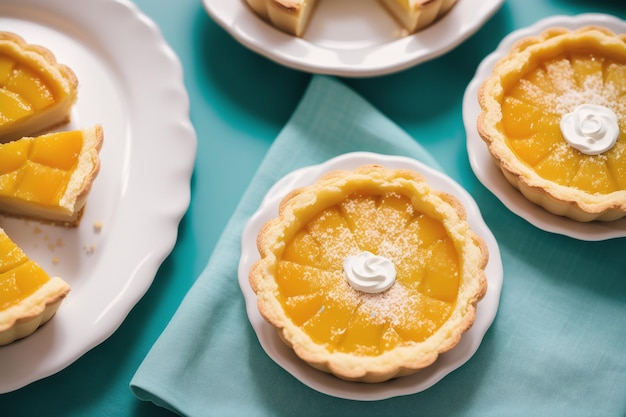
[(556, 347)]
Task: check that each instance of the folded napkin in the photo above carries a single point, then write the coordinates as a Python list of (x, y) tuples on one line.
[(557, 346), (208, 360)]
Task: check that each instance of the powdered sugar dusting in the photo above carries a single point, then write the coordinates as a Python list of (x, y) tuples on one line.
[(389, 223), (567, 93)]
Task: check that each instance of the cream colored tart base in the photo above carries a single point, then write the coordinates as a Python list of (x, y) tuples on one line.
[(555, 198), (292, 16), (62, 81), (302, 204), (23, 319)]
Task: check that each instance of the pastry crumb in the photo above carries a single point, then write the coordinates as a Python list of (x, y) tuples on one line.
[(400, 33), (55, 260), (89, 249), (97, 226)]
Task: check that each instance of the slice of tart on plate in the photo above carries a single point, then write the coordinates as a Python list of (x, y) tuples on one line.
[(369, 274), (29, 297), (36, 92), (49, 177)]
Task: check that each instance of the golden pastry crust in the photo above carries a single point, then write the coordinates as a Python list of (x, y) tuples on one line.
[(292, 16), (296, 211), (525, 56), (75, 198), (62, 82), (24, 318)]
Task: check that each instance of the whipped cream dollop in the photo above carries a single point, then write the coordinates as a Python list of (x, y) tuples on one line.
[(590, 128), (369, 273)]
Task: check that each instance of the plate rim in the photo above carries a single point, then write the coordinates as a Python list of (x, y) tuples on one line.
[(486, 170), (328, 384), (258, 36), (140, 265)]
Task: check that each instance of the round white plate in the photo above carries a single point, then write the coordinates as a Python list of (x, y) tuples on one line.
[(485, 168), (142, 190), (329, 384), (353, 38)]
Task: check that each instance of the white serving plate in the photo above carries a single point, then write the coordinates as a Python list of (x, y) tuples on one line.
[(352, 38), (328, 384), (142, 190), (488, 172)]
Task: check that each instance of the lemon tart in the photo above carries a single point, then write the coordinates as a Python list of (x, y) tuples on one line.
[(49, 177), (29, 297), (36, 92), (553, 114), (292, 16), (369, 274)]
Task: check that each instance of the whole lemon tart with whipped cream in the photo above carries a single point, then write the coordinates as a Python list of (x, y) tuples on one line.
[(36, 92), (293, 16), (29, 297), (369, 274), (553, 114)]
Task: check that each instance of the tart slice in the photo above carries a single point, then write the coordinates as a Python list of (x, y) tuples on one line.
[(415, 15), (292, 16), (36, 92), (553, 114), (49, 177), (29, 297), (369, 274)]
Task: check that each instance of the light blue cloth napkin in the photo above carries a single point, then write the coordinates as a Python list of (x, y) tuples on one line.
[(556, 348), (208, 360)]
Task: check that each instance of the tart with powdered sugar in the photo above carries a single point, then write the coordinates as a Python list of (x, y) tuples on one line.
[(553, 113), (369, 274), (292, 16)]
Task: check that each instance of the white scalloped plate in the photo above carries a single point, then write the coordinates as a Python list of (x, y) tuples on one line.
[(353, 38), (142, 190), (485, 168), (328, 384)]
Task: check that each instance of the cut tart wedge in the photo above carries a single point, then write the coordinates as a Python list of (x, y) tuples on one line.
[(36, 92), (553, 114), (293, 16), (49, 177), (369, 274), (29, 297)]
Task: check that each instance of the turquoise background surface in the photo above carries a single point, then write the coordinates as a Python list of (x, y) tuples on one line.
[(237, 113)]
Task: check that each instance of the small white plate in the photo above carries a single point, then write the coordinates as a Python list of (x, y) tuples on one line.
[(326, 383), (488, 172), (135, 90), (353, 38)]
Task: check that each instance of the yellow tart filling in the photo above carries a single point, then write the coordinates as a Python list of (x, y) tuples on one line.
[(315, 293), (39, 170), (19, 276)]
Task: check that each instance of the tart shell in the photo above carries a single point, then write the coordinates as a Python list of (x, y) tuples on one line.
[(555, 198), (295, 211)]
